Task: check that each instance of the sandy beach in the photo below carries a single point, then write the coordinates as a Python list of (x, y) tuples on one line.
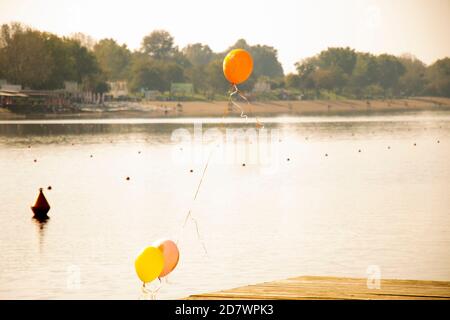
[(157, 109)]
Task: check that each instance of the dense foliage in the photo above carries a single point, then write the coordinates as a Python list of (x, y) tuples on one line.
[(41, 60)]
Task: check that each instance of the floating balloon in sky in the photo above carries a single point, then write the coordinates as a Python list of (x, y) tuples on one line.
[(170, 253), (237, 66), (149, 264)]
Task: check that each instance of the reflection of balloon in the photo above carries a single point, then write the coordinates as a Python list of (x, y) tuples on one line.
[(237, 66), (149, 264), (171, 255)]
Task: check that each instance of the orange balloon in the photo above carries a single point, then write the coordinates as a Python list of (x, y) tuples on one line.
[(171, 255), (237, 66)]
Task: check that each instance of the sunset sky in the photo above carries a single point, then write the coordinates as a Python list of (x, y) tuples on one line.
[(298, 29)]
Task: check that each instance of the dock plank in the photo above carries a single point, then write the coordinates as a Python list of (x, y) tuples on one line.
[(313, 287)]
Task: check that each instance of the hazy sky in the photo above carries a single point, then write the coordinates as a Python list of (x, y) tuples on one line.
[(297, 28)]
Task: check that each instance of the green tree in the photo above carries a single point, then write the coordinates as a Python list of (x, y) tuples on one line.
[(265, 59), (390, 69), (113, 59), (365, 73), (214, 77), (413, 81), (41, 60), (148, 78), (159, 45), (240, 44), (365, 70), (342, 58), (336, 65), (24, 56), (172, 72), (305, 70), (198, 54), (326, 78), (85, 40), (266, 62), (438, 76), (64, 68), (293, 81)]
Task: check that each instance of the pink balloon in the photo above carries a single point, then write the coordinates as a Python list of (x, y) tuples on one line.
[(171, 255)]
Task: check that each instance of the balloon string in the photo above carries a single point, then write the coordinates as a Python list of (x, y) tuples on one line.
[(189, 214), (152, 292), (235, 91)]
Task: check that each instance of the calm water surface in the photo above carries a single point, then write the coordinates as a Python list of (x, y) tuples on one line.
[(355, 192)]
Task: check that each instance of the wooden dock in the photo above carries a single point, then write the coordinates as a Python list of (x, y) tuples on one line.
[(308, 287)]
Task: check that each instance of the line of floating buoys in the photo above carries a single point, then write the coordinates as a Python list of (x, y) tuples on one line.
[(41, 207)]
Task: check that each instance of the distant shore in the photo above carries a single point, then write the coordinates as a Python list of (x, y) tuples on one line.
[(171, 109)]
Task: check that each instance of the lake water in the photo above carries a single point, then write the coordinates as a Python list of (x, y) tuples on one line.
[(334, 196)]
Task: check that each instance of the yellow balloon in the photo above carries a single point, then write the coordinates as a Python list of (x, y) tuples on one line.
[(149, 264)]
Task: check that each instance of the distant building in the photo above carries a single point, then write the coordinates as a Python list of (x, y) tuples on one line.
[(4, 85), (151, 94), (261, 86), (118, 88), (181, 88), (71, 86)]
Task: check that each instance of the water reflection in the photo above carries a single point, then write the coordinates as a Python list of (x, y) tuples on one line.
[(41, 226), (328, 209)]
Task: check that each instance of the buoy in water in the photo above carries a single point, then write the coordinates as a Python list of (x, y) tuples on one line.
[(41, 207)]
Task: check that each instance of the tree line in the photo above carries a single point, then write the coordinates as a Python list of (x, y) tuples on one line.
[(346, 72), (42, 60)]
